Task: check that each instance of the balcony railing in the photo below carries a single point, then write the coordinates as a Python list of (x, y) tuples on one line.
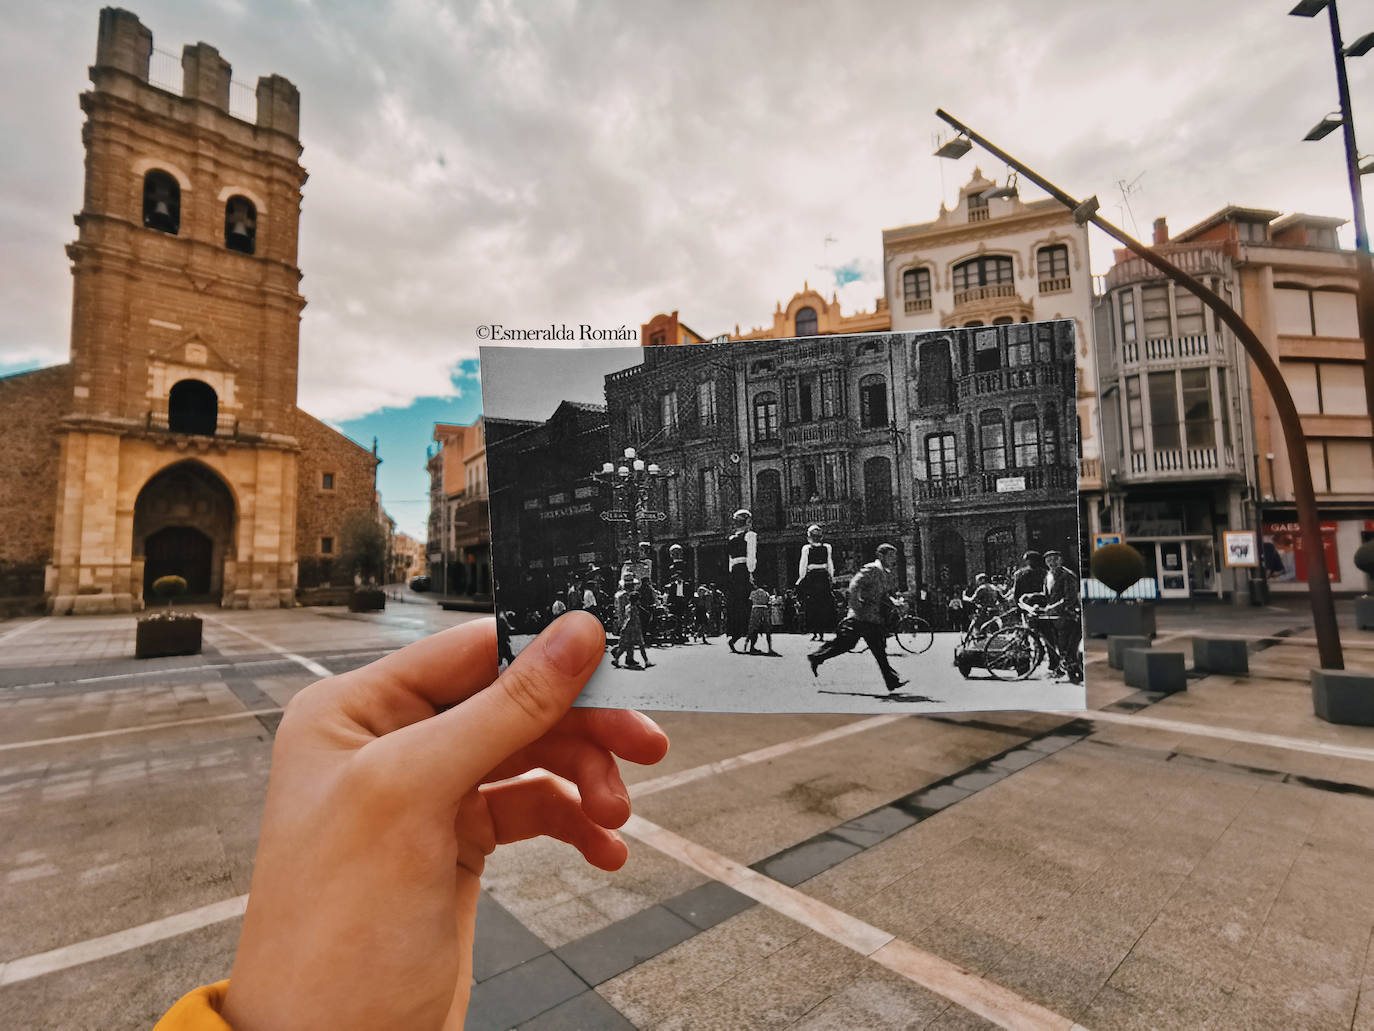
[(810, 352), (225, 425), (974, 294), (917, 304), (1004, 482), (1057, 285), (1090, 470), (828, 431), (979, 214), (827, 513), (1015, 377), (1206, 256), (1195, 345), (1184, 461)]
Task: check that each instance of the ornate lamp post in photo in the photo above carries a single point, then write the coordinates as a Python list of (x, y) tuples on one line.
[(632, 484), (1337, 697)]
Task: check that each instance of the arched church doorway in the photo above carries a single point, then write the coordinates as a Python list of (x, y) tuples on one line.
[(184, 522)]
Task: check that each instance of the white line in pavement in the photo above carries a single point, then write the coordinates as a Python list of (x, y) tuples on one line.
[(25, 628), (672, 780), (192, 669), (1249, 737), (121, 941), (310, 664), (976, 994), (38, 742)]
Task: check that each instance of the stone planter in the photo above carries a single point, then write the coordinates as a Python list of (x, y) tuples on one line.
[(179, 635), (1340, 696), (1218, 655), (1119, 645), (1150, 670), (1118, 619), (1364, 612), (367, 599)]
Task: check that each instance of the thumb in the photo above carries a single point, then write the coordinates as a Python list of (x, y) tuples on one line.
[(458, 747)]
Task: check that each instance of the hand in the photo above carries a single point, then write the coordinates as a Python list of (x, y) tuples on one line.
[(381, 810)]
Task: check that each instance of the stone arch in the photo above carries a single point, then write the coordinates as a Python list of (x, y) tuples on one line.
[(185, 524)]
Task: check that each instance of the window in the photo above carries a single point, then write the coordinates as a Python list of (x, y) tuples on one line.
[(327, 481), (1052, 262), (941, 461), (877, 490), (835, 476), (1252, 232), (832, 393), (1164, 410), (1188, 313), (634, 422), (801, 399), (161, 202), (992, 441), (806, 322), (192, 407), (1154, 305), (1025, 436), (982, 272), (1020, 348), (240, 225), (916, 289), (706, 403), (768, 499), (935, 385), (1128, 316), (987, 356), (658, 340), (667, 410), (1303, 312), (1198, 428), (1135, 418), (872, 401), (1224, 410), (1049, 439), (766, 417), (708, 496), (326, 545), (999, 550)]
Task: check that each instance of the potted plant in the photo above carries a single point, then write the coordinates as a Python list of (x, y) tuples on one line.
[(364, 555), (166, 632), (1118, 566), (1364, 604)]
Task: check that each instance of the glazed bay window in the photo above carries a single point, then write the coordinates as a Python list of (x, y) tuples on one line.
[(1164, 411), (1188, 313), (941, 459), (1025, 436), (1199, 430), (1135, 416), (1154, 306)]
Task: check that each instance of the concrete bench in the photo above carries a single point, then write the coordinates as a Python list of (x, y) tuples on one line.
[(1215, 655), (1119, 644), (1150, 670), (1343, 696)]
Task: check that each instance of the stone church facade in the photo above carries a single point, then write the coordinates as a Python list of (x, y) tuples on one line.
[(171, 441)]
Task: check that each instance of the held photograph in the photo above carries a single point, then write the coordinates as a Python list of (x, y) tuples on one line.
[(844, 524)]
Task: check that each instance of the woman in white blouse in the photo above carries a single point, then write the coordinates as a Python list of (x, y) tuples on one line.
[(815, 582)]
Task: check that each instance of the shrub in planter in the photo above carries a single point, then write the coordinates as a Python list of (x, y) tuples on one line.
[(367, 599), (1118, 566), (1364, 604), (166, 632)]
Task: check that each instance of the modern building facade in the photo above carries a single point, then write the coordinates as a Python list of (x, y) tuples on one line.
[(171, 441), (1175, 396), (994, 260), (459, 525)]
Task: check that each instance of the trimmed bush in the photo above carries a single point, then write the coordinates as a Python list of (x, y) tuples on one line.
[(1118, 566), (1364, 558), (169, 587)]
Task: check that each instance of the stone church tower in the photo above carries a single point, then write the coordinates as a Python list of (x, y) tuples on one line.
[(178, 444)]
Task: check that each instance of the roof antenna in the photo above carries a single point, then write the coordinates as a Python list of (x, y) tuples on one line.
[(1128, 188)]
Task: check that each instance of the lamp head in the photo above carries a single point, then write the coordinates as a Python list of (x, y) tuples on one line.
[(1308, 8), (1329, 124), (955, 148)]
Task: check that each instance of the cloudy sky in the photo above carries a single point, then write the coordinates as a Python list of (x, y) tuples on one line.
[(595, 162)]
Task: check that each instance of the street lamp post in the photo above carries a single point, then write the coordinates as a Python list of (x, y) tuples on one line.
[(1318, 582), (631, 483), (1364, 263)]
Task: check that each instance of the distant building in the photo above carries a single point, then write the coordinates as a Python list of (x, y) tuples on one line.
[(998, 260), (459, 529), (809, 314), (171, 443)]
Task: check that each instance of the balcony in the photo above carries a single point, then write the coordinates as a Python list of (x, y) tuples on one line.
[(977, 294), (916, 305), (1189, 461), (225, 425), (813, 351), (979, 214), (1089, 473), (1195, 258), (1057, 285), (1015, 377), (807, 434), (1198, 345), (1001, 482), (843, 512)]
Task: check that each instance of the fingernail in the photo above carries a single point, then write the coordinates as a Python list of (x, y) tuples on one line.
[(570, 645)]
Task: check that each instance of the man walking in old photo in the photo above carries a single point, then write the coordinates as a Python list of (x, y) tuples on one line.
[(870, 600)]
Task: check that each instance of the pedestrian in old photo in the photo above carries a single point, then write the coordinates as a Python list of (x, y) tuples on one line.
[(629, 626), (742, 550), (760, 620), (870, 601), (815, 582)]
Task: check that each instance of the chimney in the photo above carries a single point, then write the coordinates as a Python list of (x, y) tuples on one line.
[(1161, 231)]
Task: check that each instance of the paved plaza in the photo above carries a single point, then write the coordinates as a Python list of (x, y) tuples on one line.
[(1196, 860)]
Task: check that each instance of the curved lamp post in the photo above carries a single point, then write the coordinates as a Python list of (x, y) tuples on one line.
[(1318, 583)]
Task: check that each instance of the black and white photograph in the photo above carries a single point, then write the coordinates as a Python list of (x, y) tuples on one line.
[(849, 524)]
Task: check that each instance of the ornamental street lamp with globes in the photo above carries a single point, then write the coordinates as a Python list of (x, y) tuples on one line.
[(632, 484)]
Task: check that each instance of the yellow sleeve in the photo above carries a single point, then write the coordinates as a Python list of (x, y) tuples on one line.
[(197, 1010)]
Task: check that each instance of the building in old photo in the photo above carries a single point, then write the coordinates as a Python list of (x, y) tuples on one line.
[(171, 441), (994, 259)]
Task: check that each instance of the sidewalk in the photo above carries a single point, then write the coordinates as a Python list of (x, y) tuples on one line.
[(452, 602)]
